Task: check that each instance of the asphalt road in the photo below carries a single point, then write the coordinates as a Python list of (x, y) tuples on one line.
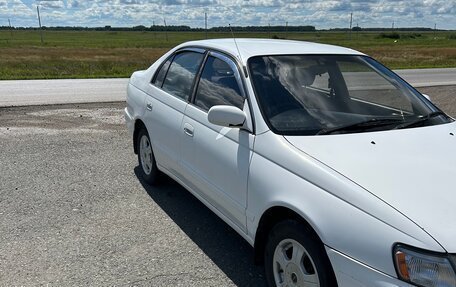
[(42, 92), (73, 211), (429, 77)]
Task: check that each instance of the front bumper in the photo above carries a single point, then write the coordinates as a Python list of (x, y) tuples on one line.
[(352, 273)]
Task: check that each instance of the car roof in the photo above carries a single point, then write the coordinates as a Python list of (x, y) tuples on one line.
[(259, 47)]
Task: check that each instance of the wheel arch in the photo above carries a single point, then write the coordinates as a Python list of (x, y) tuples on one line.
[(139, 124), (269, 219)]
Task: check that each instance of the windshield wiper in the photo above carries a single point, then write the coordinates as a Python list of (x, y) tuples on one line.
[(361, 125), (421, 119)]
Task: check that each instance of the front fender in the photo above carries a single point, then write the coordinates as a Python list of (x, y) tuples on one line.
[(346, 217)]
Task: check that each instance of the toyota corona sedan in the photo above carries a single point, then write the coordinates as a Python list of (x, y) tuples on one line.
[(332, 167)]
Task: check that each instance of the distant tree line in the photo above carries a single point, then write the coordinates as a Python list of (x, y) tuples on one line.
[(264, 29), (180, 28), (107, 28), (357, 28), (183, 28)]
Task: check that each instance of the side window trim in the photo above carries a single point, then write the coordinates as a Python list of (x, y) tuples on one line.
[(230, 63), (238, 66), (233, 66), (154, 78), (192, 97), (191, 49), (239, 78), (171, 59)]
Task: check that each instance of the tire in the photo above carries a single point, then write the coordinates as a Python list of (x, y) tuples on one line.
[(294, 257), (146, 159)]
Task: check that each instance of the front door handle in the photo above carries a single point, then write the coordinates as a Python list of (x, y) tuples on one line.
[(149, 106), (188, 129)]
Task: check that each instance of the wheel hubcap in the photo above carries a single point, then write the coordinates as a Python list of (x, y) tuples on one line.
[(145, 151), (293, 265)]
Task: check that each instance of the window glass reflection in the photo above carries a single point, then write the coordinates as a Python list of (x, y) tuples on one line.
[(218, 86), (181, 74), (305, 94)]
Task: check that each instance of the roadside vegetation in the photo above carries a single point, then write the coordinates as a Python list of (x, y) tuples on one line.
[(98, 54)]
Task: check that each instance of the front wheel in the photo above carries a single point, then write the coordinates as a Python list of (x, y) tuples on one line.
[(295, 258), (146, 159)]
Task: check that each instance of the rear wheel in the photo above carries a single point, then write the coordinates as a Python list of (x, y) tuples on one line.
[(146, 159), (293, 258)]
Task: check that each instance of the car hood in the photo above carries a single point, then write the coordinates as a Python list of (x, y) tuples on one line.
[(413, 170)]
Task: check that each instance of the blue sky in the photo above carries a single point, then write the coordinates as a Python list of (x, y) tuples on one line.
[(320, 13)]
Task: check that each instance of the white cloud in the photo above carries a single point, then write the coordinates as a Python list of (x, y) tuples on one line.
[(3, 4), (321, 13), (51, 4), (15, 9)]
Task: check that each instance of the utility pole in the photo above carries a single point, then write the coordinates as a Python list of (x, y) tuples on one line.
[(435, 29), (39, 22), (392, 27), (286, 30), (11, 28), (155, 32), (357, 30), (351, 23), (205, 23), (166, 30)]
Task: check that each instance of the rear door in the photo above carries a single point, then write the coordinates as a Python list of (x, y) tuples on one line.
[(216, 159), (169, 93)]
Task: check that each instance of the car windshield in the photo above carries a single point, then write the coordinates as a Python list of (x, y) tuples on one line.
[(333, 94)]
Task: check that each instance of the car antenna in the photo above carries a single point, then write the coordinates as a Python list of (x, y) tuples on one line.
[(239, 53)]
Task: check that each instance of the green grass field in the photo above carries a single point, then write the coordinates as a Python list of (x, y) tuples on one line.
[(96, 54)]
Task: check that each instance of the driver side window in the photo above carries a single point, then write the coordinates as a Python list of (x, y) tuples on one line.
[(218, 86)]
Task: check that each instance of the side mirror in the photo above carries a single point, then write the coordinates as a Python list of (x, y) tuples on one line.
[(427, 97), (226, 116)]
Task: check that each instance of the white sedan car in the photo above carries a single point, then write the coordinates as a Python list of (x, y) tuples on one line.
[(333, 168)]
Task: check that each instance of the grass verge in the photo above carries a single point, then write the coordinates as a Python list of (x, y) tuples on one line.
[(98, 54)]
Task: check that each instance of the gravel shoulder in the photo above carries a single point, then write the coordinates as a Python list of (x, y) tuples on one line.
[(73, 211)]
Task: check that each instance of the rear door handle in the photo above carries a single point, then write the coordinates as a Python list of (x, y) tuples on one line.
[(188, 129), (149, 106)]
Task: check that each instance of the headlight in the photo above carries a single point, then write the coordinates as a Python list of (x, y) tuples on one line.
[(424, 269)]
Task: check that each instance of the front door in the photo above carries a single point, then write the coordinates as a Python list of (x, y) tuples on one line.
[(216, 159)]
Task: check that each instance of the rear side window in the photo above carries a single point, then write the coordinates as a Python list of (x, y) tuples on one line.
[(182, 71), (218, 86), (158, 81)]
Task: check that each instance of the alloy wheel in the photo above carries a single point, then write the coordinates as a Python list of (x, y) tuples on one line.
[(293, 266)]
